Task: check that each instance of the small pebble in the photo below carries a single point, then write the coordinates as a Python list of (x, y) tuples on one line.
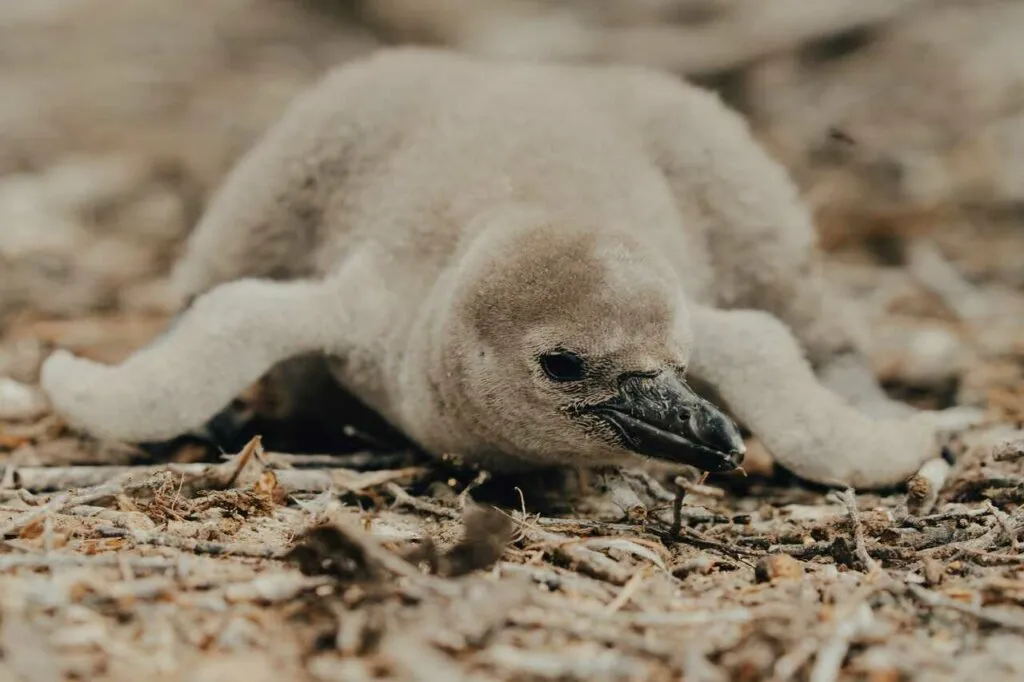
[(778, 567), (934, 571), (1008, 450)]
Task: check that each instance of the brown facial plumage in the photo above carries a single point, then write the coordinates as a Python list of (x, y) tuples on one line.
[(551, 316)]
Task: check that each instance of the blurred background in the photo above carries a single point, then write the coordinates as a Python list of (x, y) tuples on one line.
[(901, 120)]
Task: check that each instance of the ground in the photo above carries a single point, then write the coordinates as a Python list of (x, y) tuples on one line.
[(120, 563)]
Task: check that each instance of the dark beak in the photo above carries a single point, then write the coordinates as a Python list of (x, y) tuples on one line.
[(661, 417)]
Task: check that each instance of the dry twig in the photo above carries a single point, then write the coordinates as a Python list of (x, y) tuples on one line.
[(43, 479), (849, 500)]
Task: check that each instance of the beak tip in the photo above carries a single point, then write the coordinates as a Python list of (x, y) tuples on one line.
[(673, 422), (741, 449), (736, 453)]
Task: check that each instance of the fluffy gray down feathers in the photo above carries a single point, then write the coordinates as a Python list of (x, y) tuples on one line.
[(432, 221)]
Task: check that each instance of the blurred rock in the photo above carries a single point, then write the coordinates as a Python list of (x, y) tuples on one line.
[(919, 353), (147, 76), (18, 401), (77, 234), (118, 121), (928, 111)]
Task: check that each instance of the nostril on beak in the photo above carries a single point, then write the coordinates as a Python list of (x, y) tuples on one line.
[(716, 431)]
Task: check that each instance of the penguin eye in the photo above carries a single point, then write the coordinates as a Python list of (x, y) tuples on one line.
[(563, 366)]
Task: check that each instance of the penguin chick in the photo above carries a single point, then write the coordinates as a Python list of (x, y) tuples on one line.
[(521, 263)]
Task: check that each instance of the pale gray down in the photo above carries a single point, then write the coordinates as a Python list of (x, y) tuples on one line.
[(522, 264)]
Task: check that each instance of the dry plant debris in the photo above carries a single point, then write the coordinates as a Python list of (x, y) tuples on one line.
[(173, 570)]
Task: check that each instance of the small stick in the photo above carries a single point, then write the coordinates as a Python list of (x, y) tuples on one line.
[(22, 521), (42, 479), (626, 593), (677, 509), (570, 551), (960, 512), (480, 479), (928, 266), (849, 500), (699, 488), (160, 539), (404, 498), (1007, 525), (638, 547), (850, 616), (992, 559), (675, 531), (359, 461), (980, 543), (253, 448), (127, 574), (15, 460), (930, 598), (48, 539), (829, 661)]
